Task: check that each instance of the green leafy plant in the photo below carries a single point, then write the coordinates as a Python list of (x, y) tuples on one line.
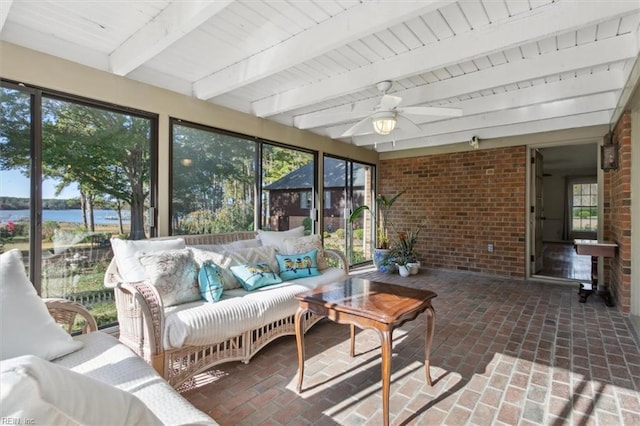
[(380, 216), (403, 250)]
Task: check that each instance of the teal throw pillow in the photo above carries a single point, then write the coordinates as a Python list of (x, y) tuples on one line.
[(293, 266), (210, 282), (255, 275)]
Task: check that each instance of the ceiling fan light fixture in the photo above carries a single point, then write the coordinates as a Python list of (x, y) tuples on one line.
[(384, 122)]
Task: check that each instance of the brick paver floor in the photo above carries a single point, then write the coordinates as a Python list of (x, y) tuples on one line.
[(504, 352)]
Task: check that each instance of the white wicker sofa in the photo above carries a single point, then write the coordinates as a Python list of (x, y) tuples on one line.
[(50, 377), (184, 340)]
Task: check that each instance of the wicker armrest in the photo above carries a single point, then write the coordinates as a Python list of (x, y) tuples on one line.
[(141, 320), (337, 255), (64, 312)]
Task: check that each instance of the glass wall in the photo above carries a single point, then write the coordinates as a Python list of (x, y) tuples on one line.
[(213, 188), (215, 176), (93, 182)]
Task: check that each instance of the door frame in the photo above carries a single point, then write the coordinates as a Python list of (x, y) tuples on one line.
[(529, 193)]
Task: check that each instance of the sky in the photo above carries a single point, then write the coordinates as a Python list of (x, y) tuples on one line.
[(15, 184)]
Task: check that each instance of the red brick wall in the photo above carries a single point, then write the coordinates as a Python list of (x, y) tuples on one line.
[(617, 215), (468, 200)]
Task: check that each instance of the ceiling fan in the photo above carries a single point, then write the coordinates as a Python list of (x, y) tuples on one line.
[(388, 114)]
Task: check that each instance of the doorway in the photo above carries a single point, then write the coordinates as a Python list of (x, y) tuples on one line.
[(564, 207)]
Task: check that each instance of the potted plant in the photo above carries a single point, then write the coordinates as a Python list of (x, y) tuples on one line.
[(403, 252), (380, 217)]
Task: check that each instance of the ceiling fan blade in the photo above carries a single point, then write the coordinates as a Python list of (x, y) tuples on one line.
[(444, 112), (355, 129), (389, 102), (407, 125)]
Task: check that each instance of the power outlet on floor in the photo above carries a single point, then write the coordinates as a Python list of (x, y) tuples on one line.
[(490, 247)]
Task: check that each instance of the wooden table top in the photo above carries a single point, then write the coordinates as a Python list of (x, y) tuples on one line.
[(378, 301), (595, 247)]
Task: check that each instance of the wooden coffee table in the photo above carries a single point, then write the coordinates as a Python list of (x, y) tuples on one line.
[(368, 305)]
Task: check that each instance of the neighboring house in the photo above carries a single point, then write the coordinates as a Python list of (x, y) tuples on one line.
[(290, 198)]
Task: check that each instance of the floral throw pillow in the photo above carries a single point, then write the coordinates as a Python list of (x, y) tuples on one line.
[(173, 273), (210, 282), (255, 275), (294, 266)]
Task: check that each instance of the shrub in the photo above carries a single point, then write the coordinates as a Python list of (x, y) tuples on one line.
[(306, 222), (48, 230)]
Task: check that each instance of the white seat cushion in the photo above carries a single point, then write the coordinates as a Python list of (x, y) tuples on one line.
[(202, 323), (105, 359), (46, 393)]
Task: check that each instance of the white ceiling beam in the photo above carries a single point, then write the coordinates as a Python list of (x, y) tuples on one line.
[(584, 56), (563, 89), (534, 25), (174, 22), (5, 6), (344, 28), (564, 108), (559, 123)]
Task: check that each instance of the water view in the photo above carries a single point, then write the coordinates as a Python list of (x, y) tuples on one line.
[(101, 217)]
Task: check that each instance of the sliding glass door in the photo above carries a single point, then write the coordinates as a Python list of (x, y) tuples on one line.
[(347, 185)]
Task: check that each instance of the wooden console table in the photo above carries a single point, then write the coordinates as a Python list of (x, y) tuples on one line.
[(595, 248)]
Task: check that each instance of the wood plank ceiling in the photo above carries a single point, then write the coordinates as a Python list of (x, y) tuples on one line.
[(513, 66)]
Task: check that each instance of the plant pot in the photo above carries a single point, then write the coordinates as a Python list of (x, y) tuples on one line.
[(414, 267), (403, 270), (379, 256)]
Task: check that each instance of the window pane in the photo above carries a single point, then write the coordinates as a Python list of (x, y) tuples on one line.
[(213, 182), (15, 162), (584, 209), (96, 175), (288, 186)]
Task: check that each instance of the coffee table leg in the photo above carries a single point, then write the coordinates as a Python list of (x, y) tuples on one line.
[(300, 343), (431, 323), (386, 340), (352, 352)]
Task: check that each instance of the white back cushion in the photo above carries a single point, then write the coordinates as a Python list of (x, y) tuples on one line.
[(276, 239), (26, 328), (125, 252)]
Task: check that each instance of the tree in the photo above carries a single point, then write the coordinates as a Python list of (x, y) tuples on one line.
[(103, 151), (210, 172)]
